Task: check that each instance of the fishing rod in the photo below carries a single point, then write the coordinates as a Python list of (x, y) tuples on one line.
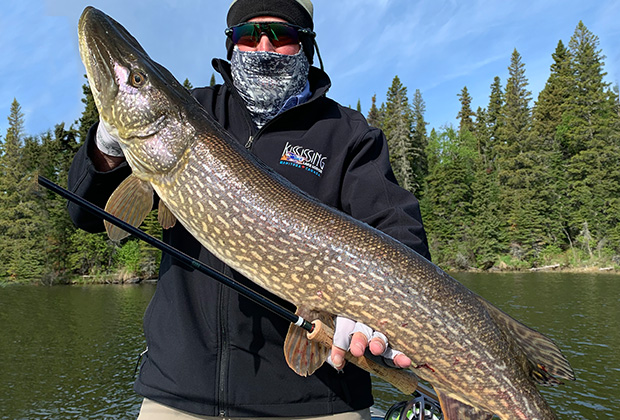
[(184, 258), (403, 379)]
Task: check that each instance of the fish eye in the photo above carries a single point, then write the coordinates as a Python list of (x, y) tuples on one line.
[(137, 79)]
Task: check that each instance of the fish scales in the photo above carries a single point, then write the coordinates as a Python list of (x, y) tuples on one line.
[(300, 249), (439, 304)]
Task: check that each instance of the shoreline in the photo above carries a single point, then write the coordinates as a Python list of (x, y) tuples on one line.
[(116, 279), (556, 268)]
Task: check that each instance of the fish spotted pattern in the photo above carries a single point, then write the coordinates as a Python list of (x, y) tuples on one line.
[(480, 361)]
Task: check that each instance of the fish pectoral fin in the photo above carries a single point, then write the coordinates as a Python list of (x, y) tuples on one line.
[(454, 409), (545, 358), (302, 355), (164, 216), (131, 202)]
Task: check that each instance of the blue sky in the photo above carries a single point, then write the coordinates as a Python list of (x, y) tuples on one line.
[(437, 46)]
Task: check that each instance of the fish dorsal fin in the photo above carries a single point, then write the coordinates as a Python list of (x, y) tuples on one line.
[(302, 355), (131, 202), (545, 357), (164, 216), (453, 409)]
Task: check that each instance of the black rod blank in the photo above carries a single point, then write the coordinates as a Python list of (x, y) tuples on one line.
[(180, 256)]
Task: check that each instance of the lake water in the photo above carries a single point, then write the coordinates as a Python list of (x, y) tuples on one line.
[(69, 352)]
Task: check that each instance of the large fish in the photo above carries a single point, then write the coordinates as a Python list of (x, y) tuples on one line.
[(480, 361)]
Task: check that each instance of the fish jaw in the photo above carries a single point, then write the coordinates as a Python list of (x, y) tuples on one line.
[(139, 101)]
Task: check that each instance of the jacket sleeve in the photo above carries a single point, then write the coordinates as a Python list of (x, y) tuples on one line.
[(370, 193), (91, 184)]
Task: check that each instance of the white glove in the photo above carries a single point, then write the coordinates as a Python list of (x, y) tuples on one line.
[(343, 333), (106, 142)]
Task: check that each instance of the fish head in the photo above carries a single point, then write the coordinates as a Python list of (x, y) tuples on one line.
[(139, 101)]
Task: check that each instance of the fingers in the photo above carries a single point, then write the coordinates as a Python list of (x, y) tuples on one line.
[(396, 358), (337, 358), (402, 361), (356, 337), (378, 343), (359, 342), (341, 341)]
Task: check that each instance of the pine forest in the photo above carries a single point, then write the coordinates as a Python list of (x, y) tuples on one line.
[(524, 183)]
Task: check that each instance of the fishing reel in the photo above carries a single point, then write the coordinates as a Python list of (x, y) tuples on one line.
[(419, 408)]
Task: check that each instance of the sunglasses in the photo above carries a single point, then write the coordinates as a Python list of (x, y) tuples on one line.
[(279, 33)]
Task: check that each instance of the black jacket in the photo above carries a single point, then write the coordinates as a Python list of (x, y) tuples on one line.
[(213, 352)]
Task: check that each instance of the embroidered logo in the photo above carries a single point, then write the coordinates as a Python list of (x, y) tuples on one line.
[(300, 157)]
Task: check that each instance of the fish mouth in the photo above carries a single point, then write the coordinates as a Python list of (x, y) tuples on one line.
[(104, 44), (96, 56)]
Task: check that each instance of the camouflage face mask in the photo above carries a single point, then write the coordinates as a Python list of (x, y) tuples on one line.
[(265, 80)]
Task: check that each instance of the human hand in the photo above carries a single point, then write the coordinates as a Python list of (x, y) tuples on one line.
[(356, 337), (107, 142)]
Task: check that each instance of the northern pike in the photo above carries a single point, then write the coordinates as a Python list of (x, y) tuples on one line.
[(480, 361)]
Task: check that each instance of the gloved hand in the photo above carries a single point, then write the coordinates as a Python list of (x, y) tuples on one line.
[(355, 337), (106, 142)]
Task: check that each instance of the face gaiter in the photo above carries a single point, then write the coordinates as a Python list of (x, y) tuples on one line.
[(267, 79)]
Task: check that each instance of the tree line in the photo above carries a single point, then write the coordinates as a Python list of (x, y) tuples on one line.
[(517, 185), (38, 241), (513, 186)]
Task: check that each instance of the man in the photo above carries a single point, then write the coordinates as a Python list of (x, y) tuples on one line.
[(210, 351)]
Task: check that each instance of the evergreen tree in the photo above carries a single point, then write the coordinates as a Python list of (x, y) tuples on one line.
[(555, 97), (65, 147), (493, 120), (419, 142), (487, 233), (88, 253), (57, 151), (482, 133), (496, 102), (514, 175), (90, 114), (514, 119), (545, 149), (375, 117), (448, 199), (91, 253), (187, 84), (150, 257), (589, 136), (397, 129), (465, 114), (212, 82), (359, 106), (20, 257), (488, 237), (589, 92)]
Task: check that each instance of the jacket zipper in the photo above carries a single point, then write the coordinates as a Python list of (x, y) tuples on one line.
[(253, 137)]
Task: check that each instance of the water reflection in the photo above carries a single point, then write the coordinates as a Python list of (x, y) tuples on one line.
[(70, 352), (580, 312)]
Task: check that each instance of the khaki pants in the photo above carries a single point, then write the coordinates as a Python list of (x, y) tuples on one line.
[(154, 411)]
